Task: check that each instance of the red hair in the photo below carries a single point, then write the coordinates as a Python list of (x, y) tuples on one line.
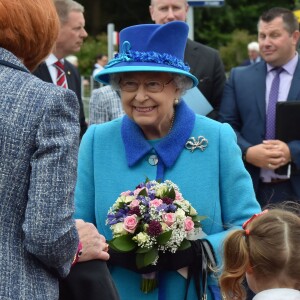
[(29, 29)]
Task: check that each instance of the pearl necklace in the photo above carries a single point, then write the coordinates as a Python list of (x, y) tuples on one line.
[(172, 122)]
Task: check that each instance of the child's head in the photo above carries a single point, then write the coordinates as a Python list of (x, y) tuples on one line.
[(266, 251)]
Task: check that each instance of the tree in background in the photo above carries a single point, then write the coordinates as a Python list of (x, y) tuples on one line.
[(91, 47), (235, 52), (229, 28)]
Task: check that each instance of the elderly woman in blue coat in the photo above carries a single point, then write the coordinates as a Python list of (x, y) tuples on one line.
[(161, 138)]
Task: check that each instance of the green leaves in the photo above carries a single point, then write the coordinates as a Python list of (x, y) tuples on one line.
[(146, 256), (143, 192), (198, 218), (123, 243), (171, 194), (184, 245), (163, 238), (145, 259)]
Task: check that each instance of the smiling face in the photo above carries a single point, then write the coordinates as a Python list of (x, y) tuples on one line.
[(152, 111), (277, 46), (71, 35), (164, 11)]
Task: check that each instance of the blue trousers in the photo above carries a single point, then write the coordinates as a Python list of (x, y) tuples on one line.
[(275, 192)]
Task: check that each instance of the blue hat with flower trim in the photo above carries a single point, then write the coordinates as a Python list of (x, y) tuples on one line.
[(150, 48)]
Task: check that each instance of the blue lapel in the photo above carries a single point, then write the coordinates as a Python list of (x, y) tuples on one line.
[(168, 148), (294, 93), (259, 89)]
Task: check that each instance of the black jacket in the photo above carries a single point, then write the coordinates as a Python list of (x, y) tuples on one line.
[(74, 84)]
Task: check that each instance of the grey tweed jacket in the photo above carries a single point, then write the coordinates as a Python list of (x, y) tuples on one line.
[(105, 105), (39, 131)]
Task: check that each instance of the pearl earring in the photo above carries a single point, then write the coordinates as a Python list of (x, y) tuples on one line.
[(176, 101)]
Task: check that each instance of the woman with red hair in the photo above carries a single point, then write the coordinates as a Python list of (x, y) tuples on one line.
[(38, 154)]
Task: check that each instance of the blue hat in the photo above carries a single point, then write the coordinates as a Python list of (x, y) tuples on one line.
[(150, 48)]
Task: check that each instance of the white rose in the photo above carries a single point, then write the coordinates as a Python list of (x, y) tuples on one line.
[(160, 192), (129, 199), (180, 214), (141, 238), (193, 211), (118, 229), (164, 226), (119, 201)]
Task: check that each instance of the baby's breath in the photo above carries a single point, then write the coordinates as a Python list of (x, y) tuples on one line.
[(156, 208)]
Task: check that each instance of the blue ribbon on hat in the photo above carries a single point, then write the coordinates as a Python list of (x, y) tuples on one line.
[(127, 55)]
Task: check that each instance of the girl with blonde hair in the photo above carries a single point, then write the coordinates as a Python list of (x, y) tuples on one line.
[(266, 253)]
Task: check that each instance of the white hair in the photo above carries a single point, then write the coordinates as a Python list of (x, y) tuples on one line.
[(254, 46)]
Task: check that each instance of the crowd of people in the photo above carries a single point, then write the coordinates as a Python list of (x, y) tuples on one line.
[(60, 176)]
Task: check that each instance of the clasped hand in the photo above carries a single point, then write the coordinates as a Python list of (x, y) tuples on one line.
[(271, 154)]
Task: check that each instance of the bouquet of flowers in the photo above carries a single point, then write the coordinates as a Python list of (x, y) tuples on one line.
[(149, 220)]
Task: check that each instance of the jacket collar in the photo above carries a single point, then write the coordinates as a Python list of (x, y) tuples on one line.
[(8, 59), (168, 148)]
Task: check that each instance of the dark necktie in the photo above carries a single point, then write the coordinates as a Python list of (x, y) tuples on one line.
[(61, 79), (271, 111)]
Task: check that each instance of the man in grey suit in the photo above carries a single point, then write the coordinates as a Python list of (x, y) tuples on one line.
[(105, 105), (69, 41), (245, 105), (205, 62)]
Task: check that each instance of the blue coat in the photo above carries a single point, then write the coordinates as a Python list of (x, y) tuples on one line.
[(244, 108), (113, 157), (38, 160)]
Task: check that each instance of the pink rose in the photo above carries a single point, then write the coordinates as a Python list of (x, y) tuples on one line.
[(134, 203), (169, 218), (137, 191), (130, 223), (188, 224), (178, 195), (127, 193), (156, 202)]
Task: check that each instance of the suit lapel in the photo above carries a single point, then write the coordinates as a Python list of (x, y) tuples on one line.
[(294, 93), (260, 70), (43, 72), (190, 56), (70, 76)]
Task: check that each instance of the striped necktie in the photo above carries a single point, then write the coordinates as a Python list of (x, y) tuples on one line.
[(271, 111), (61, 79)]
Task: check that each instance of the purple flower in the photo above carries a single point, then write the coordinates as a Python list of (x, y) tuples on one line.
[(135, 211), (111, 220), (154, 228), (167, 200), (147, 218), (144, 201), (152, 195), (163, 207), (121, 213), (172, 208), (141, 185)]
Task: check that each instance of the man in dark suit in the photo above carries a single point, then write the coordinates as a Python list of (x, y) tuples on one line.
[(70, 39), (205, 62), (246, 99)]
